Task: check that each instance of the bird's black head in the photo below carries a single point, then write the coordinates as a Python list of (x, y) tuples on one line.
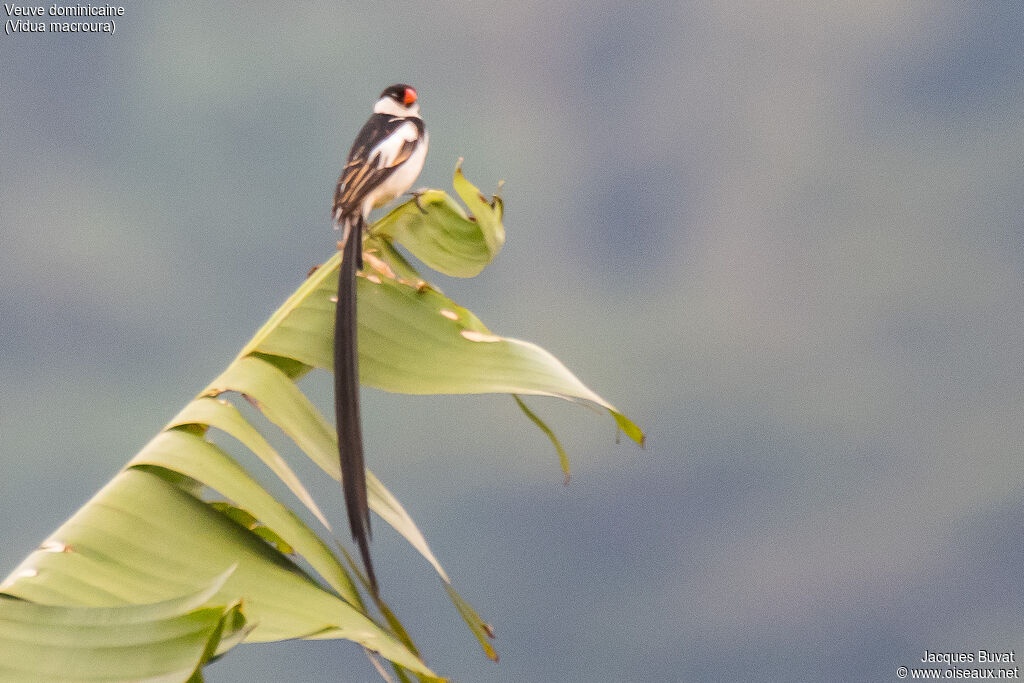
[(401, 93)]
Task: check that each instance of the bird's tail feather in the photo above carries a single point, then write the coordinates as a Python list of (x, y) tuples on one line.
[(346, 397)]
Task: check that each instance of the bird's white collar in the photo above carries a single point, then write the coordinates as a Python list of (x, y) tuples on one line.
[(386, 105)]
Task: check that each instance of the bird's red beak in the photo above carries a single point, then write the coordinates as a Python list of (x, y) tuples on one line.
[(409, 97)]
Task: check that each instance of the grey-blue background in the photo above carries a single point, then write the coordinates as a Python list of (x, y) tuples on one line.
[(787, 239)]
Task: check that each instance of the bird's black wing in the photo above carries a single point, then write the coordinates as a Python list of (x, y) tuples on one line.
[(365, 170), (363, 173)]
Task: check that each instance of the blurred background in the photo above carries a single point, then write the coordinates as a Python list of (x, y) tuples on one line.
[(787, 239)]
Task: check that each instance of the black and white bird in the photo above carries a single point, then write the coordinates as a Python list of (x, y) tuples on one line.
[(385, 160)]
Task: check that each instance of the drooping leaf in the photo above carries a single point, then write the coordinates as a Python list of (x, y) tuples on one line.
[(281, 401), (222, 415), (144, 539), (483, 631), (199, 459), (415, 340), (150, 535), (563, 459), (440, 233), (163, 641)]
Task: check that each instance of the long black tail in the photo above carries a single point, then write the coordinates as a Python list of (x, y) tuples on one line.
[(346, 398)]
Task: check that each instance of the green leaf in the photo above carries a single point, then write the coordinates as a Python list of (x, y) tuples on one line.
[(483, 631), (281, 401), (246, 519), (149, 536), (415, 340), (563, 459), (144, 539), (201, 460), (224, 416), (487, 214), (163, 641), (442, 235)]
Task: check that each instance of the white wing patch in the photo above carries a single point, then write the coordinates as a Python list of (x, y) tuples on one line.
[(387, 150)]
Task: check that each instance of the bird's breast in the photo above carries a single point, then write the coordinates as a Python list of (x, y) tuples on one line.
[(401, 180)]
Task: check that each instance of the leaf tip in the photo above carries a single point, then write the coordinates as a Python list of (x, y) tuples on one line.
[(629, 428)]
